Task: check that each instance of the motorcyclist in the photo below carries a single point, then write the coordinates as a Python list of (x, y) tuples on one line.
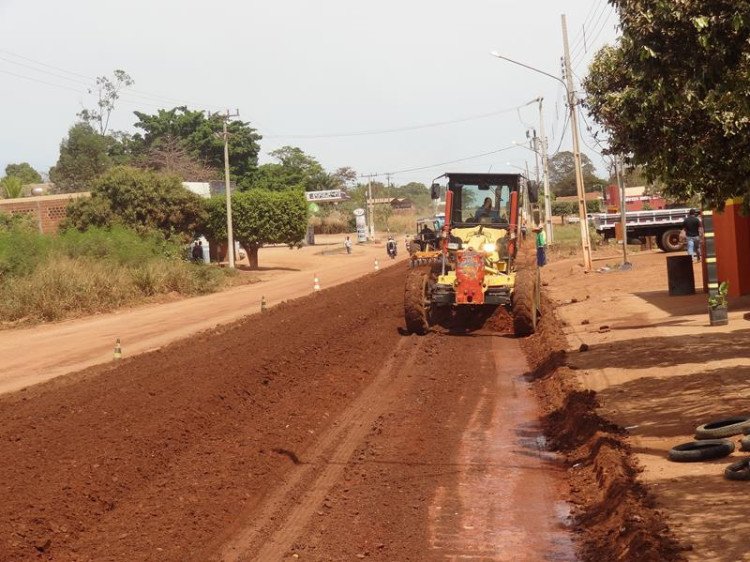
[(391, 247)]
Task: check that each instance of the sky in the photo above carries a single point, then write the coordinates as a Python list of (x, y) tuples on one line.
[(383, 87)]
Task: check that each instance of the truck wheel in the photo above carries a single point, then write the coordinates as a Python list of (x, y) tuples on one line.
[(525, 306), (670, 241), (417, 300)]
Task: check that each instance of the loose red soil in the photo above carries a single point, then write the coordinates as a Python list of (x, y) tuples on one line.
[(614, 514)]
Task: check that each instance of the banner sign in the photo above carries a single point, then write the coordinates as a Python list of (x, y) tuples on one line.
[(328, 195)]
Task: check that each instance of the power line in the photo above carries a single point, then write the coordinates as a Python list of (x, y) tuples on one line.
[(562, 135), (396, 129), (593, 23), (41, 81), (595, 35), (420, 168), (581, 36)]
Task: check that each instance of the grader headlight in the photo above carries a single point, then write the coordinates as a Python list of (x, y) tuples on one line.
[(489, 247)]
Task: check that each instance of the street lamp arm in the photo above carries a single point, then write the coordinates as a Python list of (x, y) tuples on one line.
[(498, 55)]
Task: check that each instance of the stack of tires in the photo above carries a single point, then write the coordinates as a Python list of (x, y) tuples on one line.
[(712, 442)]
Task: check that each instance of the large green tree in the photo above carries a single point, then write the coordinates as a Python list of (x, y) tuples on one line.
[(23, 172), (142, 200), (200, 136), (673, 94), (294, 169), (562, 174), (259, 217), (84, 155)]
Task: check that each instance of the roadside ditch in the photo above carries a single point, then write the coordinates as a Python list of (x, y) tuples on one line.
[(614, 514)]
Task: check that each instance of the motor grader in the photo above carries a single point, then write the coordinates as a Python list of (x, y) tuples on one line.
[(479, 264)]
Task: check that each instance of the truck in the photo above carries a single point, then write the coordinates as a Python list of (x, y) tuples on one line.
[(665, 225)]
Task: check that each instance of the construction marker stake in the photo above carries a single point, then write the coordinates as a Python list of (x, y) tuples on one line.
[(316, 283), (377, 265), (263, 304), (118, 350)]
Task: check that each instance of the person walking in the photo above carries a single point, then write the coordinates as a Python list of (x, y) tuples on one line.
[(541, 246), (692, 227), (348, 245), (198, 251)]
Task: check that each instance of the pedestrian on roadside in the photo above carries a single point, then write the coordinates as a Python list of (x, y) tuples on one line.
[(541, 246), (692, 227), (197, 251), (348, 245)]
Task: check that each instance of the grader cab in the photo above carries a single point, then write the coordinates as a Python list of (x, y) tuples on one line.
[(478, 263)]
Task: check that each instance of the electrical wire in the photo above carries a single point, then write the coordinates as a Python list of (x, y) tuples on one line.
[(420, 168), (562, 134), (397, 129), (581, 36)]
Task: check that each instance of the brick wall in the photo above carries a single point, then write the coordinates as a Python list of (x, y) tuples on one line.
[(47, 210)]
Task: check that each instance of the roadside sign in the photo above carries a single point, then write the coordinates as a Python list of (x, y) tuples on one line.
[(327, 195)]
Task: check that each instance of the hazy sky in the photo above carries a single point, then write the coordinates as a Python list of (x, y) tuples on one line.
[(301, 68)]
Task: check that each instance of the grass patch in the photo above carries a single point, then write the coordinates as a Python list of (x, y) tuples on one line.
[(45, 278)]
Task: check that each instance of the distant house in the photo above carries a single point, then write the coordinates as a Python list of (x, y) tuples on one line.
[(402, 204), (46, 210)]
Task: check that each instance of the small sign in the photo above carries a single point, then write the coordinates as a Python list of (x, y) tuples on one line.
[(328, 195)]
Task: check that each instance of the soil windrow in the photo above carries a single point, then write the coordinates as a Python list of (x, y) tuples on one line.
[(148, 458), (614, 513)]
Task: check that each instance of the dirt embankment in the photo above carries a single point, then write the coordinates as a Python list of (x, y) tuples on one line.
[(614, 513)]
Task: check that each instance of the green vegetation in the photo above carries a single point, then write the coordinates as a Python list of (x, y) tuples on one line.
[(84, 155), (672, 94), (54, 277), (140, 200), (259, 217)]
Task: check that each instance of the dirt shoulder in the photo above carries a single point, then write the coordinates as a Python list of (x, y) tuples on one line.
[(652, 370), (32, 355)]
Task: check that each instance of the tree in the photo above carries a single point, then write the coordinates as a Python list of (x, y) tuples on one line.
[(562, 174), (23, 172), (564, 209), (170, 157), (294, 170), (108, 92), (259, 217), (343, 178), (12, 187), (200, 136), (672, 94), (83, 157), (142, 200), (419, 193)]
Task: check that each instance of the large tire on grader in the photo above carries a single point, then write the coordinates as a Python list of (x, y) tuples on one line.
[(417, 300), (526, 301)]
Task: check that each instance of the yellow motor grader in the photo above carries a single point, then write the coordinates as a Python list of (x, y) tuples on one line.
[(478, 264)]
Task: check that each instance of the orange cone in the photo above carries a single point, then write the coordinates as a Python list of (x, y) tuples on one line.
[(377, 265), (316, 283), (118, 350)]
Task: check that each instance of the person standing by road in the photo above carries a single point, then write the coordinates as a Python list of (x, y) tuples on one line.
[(348, 245), (692, 227), (197, 253), (541, 246)]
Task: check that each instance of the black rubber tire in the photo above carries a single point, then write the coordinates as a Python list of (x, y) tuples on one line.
[(660, 244), (739, 470), (745, 443), (704, 450), (416, 304), (525, 305), (670, 241), (723, 428)]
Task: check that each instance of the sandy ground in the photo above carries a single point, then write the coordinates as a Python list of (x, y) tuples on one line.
[(317, 431), (660, 371), (32, 355)]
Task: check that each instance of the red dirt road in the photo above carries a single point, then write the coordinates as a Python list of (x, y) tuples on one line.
[(316, 431)]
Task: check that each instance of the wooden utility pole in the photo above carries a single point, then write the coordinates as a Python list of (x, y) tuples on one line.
[(573, 107), (620, 171), (225, 117)]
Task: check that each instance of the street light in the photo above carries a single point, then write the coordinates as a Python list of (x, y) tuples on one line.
[(585, 242)]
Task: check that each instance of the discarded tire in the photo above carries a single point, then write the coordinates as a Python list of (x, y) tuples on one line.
[(739, 470), (723, 428), (704, 450), (745, 443)]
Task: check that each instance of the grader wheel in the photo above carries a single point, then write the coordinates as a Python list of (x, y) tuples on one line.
[(526, 301), (416, 300)]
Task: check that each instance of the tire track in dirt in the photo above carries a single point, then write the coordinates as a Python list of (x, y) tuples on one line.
[(308, 486)]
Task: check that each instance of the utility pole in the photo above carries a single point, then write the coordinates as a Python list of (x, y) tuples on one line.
[(228, 188), (572, 105), (623, 218), (370, 205), (545, 165)]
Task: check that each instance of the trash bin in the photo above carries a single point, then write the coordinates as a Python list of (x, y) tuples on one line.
[(680, 275)]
